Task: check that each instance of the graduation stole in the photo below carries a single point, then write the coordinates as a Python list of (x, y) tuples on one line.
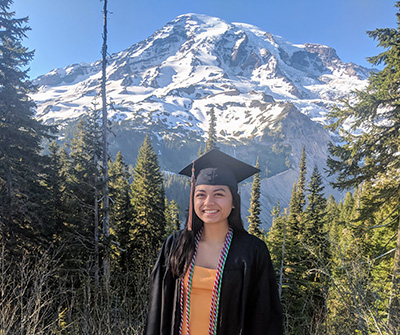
[(215, 297)]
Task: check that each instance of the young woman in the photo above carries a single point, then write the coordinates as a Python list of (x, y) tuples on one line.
[(213, 277)]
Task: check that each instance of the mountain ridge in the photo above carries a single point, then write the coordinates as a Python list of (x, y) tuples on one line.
[(270, 96)]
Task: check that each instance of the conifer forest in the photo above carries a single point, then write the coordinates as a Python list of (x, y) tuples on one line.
[(72, 264)]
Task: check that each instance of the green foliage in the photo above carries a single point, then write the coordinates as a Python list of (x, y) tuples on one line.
[(299, 250), (211, 142), (255, 208), (148, 205), (55, 186), (21, 165), (275, 236), (83, 176), (172, 221), (297, 200), (294, 284), (370, 145), (121, 211), (360, 266), (316, 245), (276, 241), (336, 263), (315, 212), (373, 153)]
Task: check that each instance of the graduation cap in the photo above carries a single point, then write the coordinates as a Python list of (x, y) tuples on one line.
[(216, 168)]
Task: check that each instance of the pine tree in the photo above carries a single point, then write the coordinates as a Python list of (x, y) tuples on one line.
[(372, 155), (356, 300), (340, 305), (276, 241), (120, 210), (84, 189), (347, 210), (172, 222), (20, 139), (316, 247), (54, 181), (332, 219), (315, 212), (255, 208), (85, 151), (211, 142), (294, 294), (64, 161), (148, 205), (298, 199), (178, 188), (301, 183), (275, 235)]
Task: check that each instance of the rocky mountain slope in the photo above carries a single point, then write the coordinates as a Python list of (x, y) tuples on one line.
[(270, 97)]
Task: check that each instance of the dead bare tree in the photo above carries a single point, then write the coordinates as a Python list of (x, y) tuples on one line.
[(106, 200)]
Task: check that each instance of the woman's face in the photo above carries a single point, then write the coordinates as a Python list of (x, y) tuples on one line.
[(213, 203)]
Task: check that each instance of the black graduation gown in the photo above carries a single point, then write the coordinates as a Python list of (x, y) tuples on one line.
[(249, 303)]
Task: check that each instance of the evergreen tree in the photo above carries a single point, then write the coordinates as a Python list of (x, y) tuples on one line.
[(315, 212), (255, 208), (372, 155), (298, 200), (347, 210), (356, 299), (85, 150), (65, 166), (55, 182), (172, 222), (120, 210), (211, 142), (20, 136), (177, 187), (301, 183), (84, 189), (316, 250), (275, 236), (332, 219), (276, 240), (295, 284), (148, 205)]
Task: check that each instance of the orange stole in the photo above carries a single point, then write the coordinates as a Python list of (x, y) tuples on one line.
[(200, 300)]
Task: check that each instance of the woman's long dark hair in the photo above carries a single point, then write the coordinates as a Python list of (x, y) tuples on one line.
[(182, 252)]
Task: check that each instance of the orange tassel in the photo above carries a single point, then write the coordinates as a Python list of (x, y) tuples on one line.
[(190, 217)]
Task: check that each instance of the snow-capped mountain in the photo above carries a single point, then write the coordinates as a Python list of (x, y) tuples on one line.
[(268, 94)]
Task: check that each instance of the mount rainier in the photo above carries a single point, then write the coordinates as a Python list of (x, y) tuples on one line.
[(270, 98)]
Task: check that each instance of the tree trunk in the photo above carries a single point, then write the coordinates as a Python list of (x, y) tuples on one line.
[(282, 262), (106, 218), (394, 300), (96, 234)]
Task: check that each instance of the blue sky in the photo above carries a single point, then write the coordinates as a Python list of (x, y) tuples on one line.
[(65, 32)]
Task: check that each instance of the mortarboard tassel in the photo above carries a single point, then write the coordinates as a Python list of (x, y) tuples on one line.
[(190, 217)]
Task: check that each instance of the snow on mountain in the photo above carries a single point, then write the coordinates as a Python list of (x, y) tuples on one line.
[(198, 62), (169, 82)]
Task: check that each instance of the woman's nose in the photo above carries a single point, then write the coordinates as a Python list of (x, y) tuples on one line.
[(209, 200)]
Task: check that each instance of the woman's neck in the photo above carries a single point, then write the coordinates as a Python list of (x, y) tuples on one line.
[(215, 233), (211, 244)]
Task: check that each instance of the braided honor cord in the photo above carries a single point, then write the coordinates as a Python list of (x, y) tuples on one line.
[(212, 328)]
